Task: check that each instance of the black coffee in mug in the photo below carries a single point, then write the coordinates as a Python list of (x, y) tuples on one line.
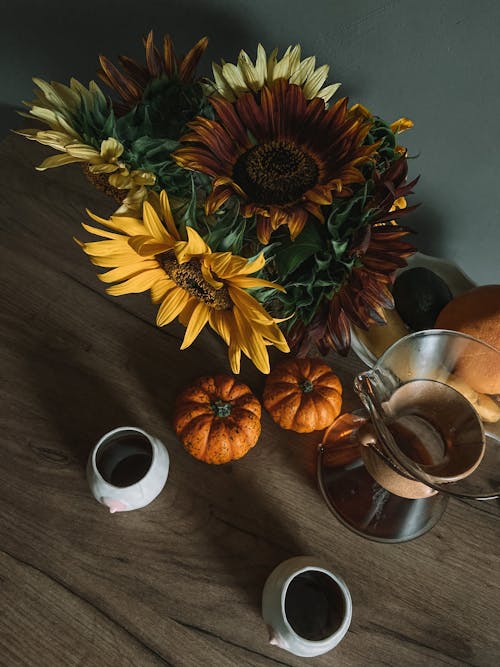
[(124, 460), (314, 605)]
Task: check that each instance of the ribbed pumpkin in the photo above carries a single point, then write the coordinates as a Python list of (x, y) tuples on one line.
[(217, 419), (303, 395)]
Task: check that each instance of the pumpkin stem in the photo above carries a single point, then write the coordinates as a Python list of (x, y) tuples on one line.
[(306, 386), (221, 408)]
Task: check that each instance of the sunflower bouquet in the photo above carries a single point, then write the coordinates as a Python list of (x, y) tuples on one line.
[(251, 202)]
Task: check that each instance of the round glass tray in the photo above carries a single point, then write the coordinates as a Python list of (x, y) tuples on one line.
[(450, 272)]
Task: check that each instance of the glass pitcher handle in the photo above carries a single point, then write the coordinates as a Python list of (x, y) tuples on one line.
[(346, 434), (340, 443), (351, 437)]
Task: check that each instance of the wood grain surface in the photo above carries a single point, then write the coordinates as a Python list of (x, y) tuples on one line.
[(179, 582)]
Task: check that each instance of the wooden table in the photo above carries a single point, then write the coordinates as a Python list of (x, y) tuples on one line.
[(179, 582)]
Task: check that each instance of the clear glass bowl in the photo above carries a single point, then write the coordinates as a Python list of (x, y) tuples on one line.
[(457, 281)]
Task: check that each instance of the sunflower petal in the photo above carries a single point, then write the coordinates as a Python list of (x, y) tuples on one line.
[(221, 263), (248, 72), (121, 223), (57, 161), (234, 354), (138, 283), (221, 84), (260, 65), (153, 58), (234, 78), (219, 320), (83, 151), (111, 148), (172, 305), (105, 168), (145, 246), (167, 215), (257, 350), (208, 276), (248, 283), (154, 226), (315, 81), (118, 259), (305, 69), (255, 265), (100, 232), (401, 125), (281, 69), (169, 61), (191, 60), (130, 270), (197, 321), (295, 57), (246, 303), (195, 245), (329, 91), (271, 63), (161, 288), (273, 335), (113, 78)]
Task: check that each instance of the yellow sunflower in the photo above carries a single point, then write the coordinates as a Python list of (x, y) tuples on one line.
[(56, 106), (282, 155), (232, 81), (188, 280), (106, 160)]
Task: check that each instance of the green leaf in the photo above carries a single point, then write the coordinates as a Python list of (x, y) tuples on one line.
[(339, 247), (186, 215), (323, 260), (228, 231), (293, 253)]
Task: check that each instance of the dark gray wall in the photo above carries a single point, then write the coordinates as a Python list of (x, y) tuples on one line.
[(436, 61)]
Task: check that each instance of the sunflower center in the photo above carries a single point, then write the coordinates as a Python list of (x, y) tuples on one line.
[(277, 172), (190, 278)]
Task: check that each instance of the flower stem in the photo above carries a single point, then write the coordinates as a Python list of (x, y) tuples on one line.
[(221, 408)]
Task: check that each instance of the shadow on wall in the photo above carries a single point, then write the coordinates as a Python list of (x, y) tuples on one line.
[(74, 35), (72, 38), (428, 226), (9, 119)]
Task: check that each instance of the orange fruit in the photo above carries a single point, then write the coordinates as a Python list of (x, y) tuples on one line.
[(477, 313)]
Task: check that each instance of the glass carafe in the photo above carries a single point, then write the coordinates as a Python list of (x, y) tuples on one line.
[(430, 430)]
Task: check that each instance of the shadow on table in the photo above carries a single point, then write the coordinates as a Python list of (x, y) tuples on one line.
[(78, 405), (237, 525), (244, 530)]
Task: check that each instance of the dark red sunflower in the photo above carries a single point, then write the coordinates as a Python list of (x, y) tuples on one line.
[(131, 82), (284, 156), (366, 292)]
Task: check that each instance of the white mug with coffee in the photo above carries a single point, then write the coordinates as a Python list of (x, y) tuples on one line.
[(127, 469), (307, 608)]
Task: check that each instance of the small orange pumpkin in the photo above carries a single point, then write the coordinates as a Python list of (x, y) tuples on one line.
[(303, 395), (217, 419)]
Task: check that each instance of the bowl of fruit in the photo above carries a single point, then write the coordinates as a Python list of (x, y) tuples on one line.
[(421, 292)]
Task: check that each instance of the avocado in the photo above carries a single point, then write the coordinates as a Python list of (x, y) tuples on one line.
[(420, 295)]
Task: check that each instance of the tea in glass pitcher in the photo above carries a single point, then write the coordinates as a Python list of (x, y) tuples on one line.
[(426, 434)]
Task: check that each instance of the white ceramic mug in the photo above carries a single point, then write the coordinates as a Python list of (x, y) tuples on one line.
[(127, 469), (307, 608)]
